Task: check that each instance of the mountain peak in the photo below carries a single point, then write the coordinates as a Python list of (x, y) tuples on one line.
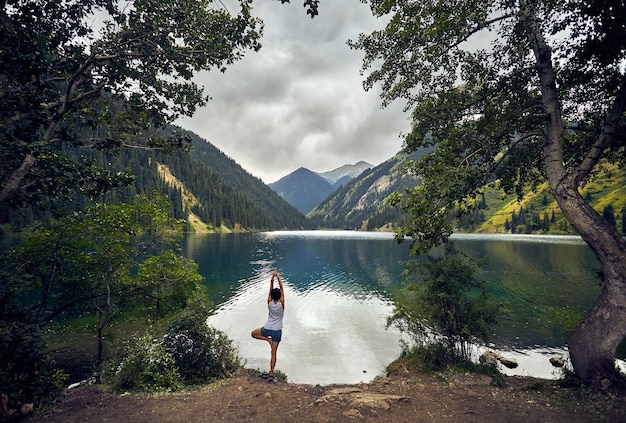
[(305, 189), (349, 170)]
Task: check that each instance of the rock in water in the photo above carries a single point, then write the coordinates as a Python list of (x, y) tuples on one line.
[(557, 361)]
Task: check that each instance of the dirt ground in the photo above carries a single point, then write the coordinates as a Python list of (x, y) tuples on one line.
[(400, 397)]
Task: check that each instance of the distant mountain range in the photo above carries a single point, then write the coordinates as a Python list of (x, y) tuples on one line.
[(213, 193), (359, 204), (305, 189)]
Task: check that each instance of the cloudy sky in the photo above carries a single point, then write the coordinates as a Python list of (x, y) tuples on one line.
[(299, 101)]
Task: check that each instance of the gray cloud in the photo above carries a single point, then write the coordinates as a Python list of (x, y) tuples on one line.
[(299, 101)]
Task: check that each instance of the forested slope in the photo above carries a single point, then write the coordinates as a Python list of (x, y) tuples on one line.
[(361, 205), (209, 184)]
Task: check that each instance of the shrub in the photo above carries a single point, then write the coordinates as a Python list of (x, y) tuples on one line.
[(201, 352), (191, 352), (447, 307), (146, 366), (436, 357), (27, 373), (427, 358)]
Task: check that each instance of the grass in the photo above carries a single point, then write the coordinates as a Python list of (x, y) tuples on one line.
[(608, 187), (73, 343)]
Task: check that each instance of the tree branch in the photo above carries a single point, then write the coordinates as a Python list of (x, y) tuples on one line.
[(607, 135), (16, 177), (479, 27)]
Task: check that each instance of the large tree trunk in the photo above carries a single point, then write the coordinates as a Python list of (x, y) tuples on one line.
[(595, 340), (593, 343)]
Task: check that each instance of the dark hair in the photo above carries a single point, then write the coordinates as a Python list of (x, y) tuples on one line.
[(276, 294)]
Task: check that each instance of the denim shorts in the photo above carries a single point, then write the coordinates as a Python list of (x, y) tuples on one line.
[(276, 335)]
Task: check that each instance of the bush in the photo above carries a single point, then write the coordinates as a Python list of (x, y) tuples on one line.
[(448, 307), (145, 366), (27, 373), (438, 358), (191, 352), (201, 352), (427, 358)]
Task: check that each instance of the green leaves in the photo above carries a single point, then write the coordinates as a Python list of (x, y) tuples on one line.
[(447, 304), (467, 70), (65, 84), (89, 259), (165, 282)]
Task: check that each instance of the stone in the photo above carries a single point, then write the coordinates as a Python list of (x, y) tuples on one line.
[(492, 358), (353, 413), (508, 362), (489, 357), (557, 361)]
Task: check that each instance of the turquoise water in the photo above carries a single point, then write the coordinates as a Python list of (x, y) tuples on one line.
[(339, 285)]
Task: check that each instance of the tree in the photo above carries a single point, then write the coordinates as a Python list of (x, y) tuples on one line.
[(98, 260), (106, 75), (166, 281), (449, 299), (512, 93), (27, 372), (65, 83)]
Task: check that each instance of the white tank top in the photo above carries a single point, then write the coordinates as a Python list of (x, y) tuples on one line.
[(274, 316)]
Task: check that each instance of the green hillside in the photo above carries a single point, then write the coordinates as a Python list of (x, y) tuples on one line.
[(206, 188), (360, 204), (538, 212)]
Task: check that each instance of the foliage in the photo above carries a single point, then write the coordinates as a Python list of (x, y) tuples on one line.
[(475, 102), (448, 307), (68, 82), (27, 373), (437, 358), (165, 282), (428, 358), (190, 352), (88, 262), (146, 366), (512, 94), (106, 76), (200, 351)]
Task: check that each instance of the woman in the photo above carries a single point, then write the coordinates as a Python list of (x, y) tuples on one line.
[(272, 330)]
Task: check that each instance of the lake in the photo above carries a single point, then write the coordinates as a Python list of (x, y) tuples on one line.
[(339, 285)]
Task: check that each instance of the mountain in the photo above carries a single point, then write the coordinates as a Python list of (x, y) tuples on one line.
[(538, 212), (256, 205), (205, 187), (359, 204), (343, 174), (305, 189)]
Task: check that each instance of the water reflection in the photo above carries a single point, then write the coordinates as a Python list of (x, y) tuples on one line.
[(545, 284), (338, 295), (336, 303)]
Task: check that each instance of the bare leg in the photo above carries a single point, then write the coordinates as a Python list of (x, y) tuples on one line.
[(273, 359), (256, 334)]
